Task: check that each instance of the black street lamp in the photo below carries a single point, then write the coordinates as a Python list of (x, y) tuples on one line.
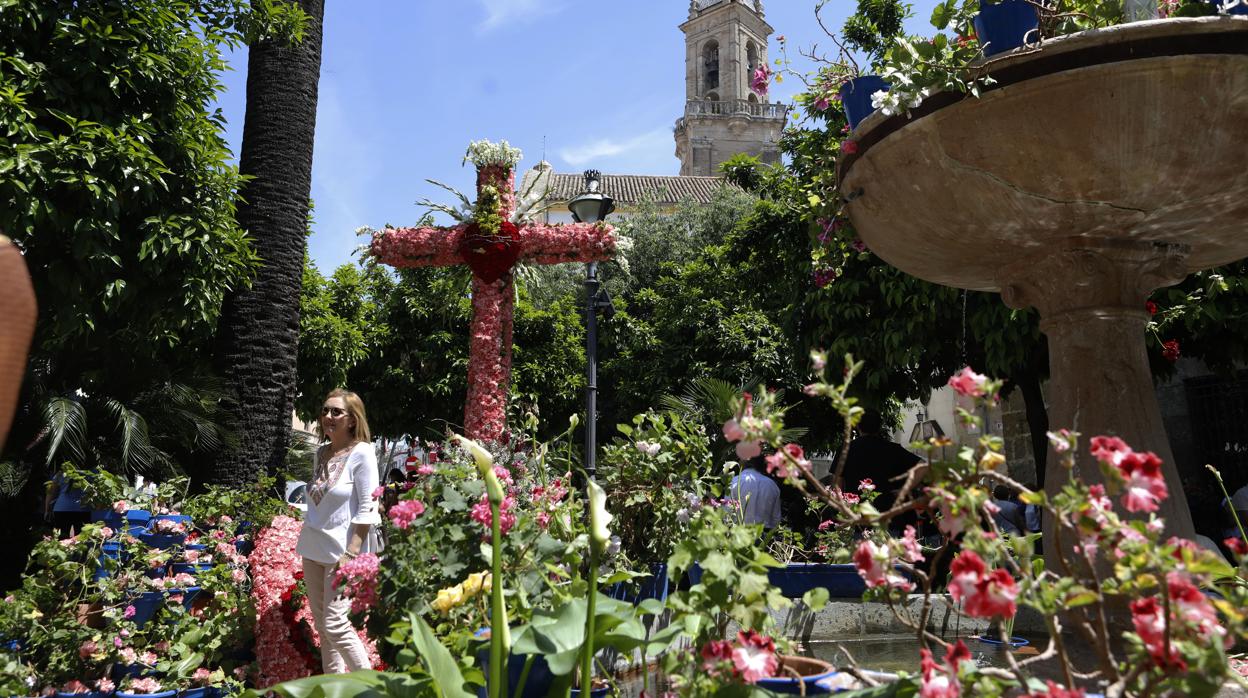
[(592, 206)]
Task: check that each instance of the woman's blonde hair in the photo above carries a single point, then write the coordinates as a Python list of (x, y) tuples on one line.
[(355, 408)]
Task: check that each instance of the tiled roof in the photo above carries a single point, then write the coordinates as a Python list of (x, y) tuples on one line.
[(629, 189)]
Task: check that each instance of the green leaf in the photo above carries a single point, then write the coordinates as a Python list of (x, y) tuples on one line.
[(438, 660), (816, 598)]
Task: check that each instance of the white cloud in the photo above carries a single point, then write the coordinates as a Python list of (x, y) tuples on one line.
[(646, 153), (502, 12)]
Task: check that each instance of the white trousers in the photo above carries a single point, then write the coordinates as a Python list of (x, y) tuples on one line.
[(341, 647)]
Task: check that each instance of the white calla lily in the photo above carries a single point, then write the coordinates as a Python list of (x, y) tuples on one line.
[(599, 517)]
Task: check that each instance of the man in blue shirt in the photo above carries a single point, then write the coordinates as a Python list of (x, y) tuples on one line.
[(757, 494)]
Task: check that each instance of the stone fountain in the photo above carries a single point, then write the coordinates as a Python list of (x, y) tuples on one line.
[(1100, 167)]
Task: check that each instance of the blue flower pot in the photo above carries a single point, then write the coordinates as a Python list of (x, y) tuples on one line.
[(594, 692), (795, 579), (188, 595), (1240, 9), (1006, 25), (195, 568), (108, 517), (1014, 641), (161, 540), (201, 692), (145, 606), (111, 550), (537, 684), (88, 694), (138, 517), (176, 518), (162, 694), (856, 97), (243, 547), (653, 587), (810, 673)]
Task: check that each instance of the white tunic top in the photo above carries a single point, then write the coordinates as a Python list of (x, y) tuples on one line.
[(340, 495)]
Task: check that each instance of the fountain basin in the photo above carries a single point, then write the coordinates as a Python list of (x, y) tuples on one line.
[(1133, 132)]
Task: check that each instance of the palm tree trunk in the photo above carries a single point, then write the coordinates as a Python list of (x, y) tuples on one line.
[(258, 337)]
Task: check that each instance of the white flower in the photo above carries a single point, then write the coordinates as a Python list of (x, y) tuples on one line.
[(648, 447)]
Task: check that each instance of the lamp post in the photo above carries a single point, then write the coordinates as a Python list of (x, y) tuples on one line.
[(592, 206)]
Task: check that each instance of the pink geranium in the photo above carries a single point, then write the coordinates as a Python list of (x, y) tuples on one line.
[(782, 466), (1141, 471), (875, 566), (1053, 690), (121, 506), (986, 594), (941, 680), (358, 579), (969, 383), (754, 656), (733, 431), (405, 512)]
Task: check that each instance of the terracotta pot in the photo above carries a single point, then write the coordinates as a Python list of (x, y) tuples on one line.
[(17, 325)]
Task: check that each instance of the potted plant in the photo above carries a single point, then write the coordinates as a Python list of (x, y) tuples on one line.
[(1005, 25)]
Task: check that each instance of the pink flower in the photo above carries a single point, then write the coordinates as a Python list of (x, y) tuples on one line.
[(425, 470), (648, 448), (941, 681), (821, 104), (858, 245), (760, 80), (358, 579), (86, 649), (104, 685), (733, 431), (1053, 690), (121, 506), (130, 611), (1236, 545), (405, 512), (202, 676), (749, 449), (866, 485), (75, 686), (713, 654), (754, 657), (987, 595), (543, 520), (1148, 617), (875, 566), (1146, 486), (779, 464), (238, 576), (144, 684), (849, 147), (506, 520), (969, 383), (909, 541), (381, 489)]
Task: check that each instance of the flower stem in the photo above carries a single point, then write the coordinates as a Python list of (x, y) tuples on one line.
[(499, 632), (587, 661)]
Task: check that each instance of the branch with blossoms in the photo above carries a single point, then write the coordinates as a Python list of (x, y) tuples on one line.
[(1108, 561)]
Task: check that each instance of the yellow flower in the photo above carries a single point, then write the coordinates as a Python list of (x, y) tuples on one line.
[(476, 583), (448, 598), (991, 460)]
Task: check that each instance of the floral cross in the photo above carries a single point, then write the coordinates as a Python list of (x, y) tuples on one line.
[(491, 243)]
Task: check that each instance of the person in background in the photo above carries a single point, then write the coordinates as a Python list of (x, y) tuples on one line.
[(1009, 517), (873, 456), (63, 507), (758, 496), (341, 512)]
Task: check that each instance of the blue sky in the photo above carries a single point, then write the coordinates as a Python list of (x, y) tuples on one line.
[(406, 84)]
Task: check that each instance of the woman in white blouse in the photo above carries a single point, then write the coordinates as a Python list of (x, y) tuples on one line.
[(341, 510)]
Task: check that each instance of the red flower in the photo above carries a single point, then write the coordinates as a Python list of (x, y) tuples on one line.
[(969, 383), (1053, 690), (849, 147), (987, 594), (754, 657), (1236, 545), (1170, 350), (1151, 307)]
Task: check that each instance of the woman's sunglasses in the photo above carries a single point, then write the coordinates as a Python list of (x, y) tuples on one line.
[(334, 411)]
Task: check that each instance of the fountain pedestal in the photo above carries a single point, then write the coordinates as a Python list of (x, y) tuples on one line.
[(1099, 167), (1090, 293)]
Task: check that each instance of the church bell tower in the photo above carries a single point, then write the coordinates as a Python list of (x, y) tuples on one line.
[(725, 40)]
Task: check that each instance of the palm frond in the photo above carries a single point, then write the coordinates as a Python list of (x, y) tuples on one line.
[(66, 421), (137, 452), (13, 478)]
